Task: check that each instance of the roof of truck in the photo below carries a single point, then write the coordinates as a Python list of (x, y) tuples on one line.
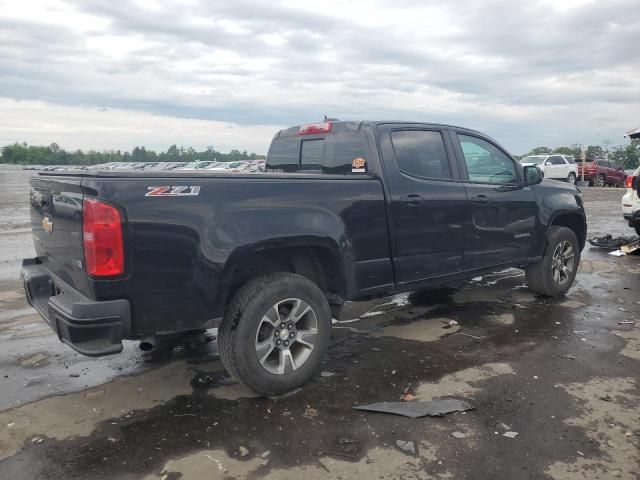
[(340, 126)]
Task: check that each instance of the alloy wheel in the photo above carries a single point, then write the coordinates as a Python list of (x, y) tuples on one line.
[(286, 336), (563, 262)]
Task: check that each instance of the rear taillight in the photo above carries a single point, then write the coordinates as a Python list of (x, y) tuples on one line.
[(629, 182), (102, 239)]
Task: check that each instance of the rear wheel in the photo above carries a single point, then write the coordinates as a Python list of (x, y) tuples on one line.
[(601, 181), (571, 178), (275, 332), (554, 274), (637, 227)]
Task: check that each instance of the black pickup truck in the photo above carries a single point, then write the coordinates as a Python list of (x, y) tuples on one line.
[(345, 211)]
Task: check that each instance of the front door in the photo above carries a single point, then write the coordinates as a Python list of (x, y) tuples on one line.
[(427, 201), (502, 211)]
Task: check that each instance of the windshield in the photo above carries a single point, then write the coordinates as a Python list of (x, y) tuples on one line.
[(533, 159)]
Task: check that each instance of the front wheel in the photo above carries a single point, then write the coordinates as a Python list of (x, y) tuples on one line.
[(571, 178), (601, 182), (637, 227), (555, 273), (275, 332)]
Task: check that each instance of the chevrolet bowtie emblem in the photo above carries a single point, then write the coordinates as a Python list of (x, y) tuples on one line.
[(47, 225)]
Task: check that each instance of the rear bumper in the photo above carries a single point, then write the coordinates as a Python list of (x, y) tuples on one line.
[(89, 327)]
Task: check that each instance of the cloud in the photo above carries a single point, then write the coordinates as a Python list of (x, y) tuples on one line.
[(526, 73)]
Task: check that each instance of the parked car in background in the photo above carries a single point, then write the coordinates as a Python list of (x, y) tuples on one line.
[(554, 166), (600, 173), (631, 201), (197, 165)]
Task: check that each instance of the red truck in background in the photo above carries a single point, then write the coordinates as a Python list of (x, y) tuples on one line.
[(600, 173)]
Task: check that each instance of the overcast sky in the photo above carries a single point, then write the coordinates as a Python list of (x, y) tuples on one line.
[(230, 73)]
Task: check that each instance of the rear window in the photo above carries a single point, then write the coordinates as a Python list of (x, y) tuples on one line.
[(338, 154), (571, 160)]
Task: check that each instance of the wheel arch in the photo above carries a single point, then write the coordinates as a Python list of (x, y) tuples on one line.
[(318, 259), (573, 221)]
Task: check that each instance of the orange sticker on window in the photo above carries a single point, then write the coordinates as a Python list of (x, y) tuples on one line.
[(358, 165)]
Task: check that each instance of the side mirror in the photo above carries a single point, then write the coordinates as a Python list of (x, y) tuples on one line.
[(547, 163), (532, 175)]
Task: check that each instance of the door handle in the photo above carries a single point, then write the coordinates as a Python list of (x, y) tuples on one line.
[(412, 199), (480, 199)]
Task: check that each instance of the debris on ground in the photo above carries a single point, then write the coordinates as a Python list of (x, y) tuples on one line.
[(407, 394), (406, 446), (510, 434), (243, 451), (608, 242), (606, 398), (565, 355), (619, 246), (457, 434), (417, 409), (626, 323), (310, 413), (325, 374), (503, 426)]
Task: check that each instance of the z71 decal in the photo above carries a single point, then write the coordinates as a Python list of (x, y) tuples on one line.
[(171, 191)]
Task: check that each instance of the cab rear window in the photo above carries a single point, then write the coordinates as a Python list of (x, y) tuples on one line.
[(338, 154)]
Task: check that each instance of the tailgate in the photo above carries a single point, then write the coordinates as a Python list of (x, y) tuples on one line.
[(56, 223)]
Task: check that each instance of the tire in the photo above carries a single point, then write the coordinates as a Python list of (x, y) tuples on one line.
[(601, 181), (637, 228), (571, 178), (251, 320), (544, 277)]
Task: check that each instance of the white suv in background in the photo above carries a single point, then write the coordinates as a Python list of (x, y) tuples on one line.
[(631, 201), (555, 166)]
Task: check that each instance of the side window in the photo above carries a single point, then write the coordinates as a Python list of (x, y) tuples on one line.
[(338, 154), (557, 160), (571, 160), (421, 153), (485, 162), (312, 154), (283, 155)]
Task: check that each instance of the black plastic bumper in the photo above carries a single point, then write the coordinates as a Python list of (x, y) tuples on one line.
[(89, 327)]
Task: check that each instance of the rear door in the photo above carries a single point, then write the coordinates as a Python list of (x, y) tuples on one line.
[(56, 223), (502, 210), (427, 201)]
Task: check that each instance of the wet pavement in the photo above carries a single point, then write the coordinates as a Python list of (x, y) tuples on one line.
[(563, 374)]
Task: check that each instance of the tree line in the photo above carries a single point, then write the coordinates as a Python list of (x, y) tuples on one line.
[(21, 153), (627, 156)]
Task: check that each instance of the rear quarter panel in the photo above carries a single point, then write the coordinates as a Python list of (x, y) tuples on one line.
[(178, 247)]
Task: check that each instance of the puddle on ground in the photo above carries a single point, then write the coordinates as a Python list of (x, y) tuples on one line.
[(427, 330), (78, 413)]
